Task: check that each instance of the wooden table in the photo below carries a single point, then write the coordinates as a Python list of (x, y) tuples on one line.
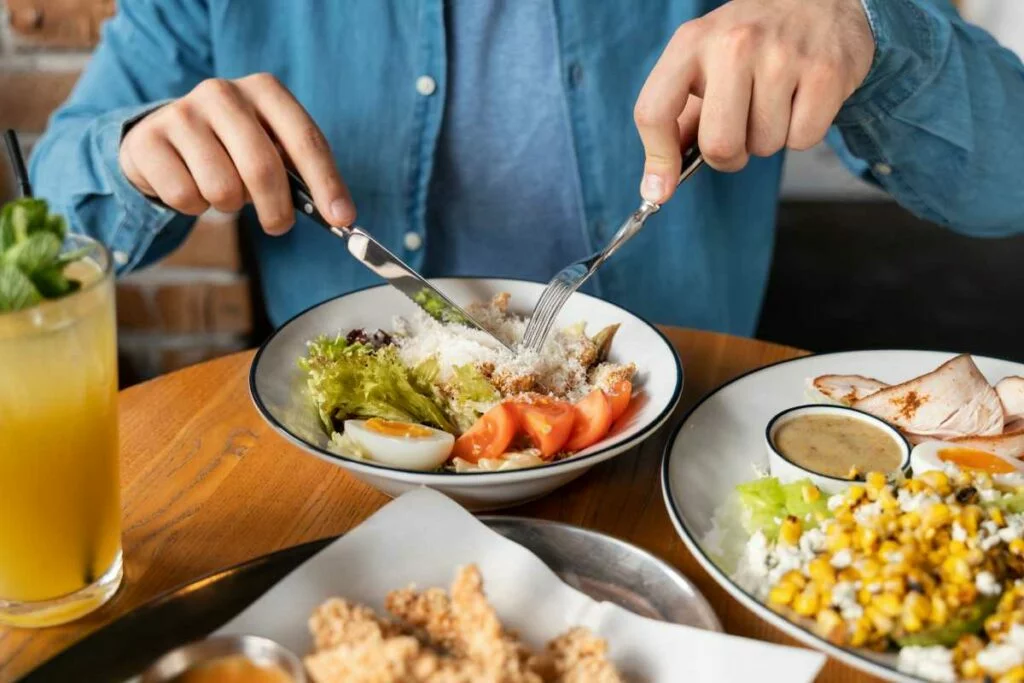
[(208, 485)]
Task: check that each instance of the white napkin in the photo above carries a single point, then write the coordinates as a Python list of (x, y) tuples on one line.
[(422, 538)]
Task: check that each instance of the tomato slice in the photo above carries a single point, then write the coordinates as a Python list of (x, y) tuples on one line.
[(619, 395), (593, 420), (489, 437), (547, 423)]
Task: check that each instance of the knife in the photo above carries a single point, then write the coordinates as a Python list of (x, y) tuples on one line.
[(377, 258)]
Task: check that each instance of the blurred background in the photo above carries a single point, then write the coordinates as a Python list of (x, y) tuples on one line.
[(851, 270)]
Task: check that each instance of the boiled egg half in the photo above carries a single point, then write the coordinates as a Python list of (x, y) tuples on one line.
[(937, 455), (401, 444)]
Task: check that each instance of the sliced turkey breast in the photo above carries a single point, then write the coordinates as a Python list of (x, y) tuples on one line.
[(1011, 393), (1007, 444), (954, 400), (845, 389)]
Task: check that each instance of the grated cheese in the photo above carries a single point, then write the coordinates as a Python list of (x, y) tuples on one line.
[(557, 369)]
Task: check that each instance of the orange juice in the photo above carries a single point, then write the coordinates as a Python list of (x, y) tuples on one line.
[(60, 546)]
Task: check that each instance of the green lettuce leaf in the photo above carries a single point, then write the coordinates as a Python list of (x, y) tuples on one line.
[(766, 502), (471, 386), (354, 381)]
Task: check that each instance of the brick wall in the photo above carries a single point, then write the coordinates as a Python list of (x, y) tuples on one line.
[(195, 305)]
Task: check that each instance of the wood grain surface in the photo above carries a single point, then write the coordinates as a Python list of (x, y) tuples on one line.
[(207, 485)]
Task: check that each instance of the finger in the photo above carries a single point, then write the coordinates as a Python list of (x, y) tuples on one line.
[(722, 134), (207, 160), (819, 96), (771, 104), (689, 122), (158, 162), (304, 143), (131, 171), (259, 164), (658, 108)]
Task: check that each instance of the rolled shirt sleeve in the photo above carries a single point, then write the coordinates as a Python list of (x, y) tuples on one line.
[(152, 51), (937, 121)]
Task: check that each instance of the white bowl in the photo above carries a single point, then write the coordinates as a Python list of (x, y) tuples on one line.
[(786, 471), (279, 391)]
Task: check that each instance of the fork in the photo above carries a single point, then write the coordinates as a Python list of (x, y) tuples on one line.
[(572, 277)]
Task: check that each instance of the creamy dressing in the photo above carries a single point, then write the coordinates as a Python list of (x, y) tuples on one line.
[(833, 445)]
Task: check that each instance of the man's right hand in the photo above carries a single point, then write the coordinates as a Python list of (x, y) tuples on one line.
[(221, 146)]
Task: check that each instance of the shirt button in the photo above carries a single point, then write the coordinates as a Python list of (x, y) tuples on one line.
[(120, 258), (575, 74), (412, 241), (425, 85), (883, 169)]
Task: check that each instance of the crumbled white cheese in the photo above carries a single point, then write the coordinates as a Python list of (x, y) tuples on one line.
[(762, 565), (842, 559), (867, 513), (959, 533), (1014, 528), (844, 598), (556, 367), (998, 658), (988, 495), (916, 502), (986, 584), (930, 663), (835, 502)]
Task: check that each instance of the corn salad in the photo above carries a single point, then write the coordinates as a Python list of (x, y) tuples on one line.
[(929, 564)]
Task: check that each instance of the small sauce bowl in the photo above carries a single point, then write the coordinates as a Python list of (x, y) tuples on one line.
[(786, 470), (260, 651)]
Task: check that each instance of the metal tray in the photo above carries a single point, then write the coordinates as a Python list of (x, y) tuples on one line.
[(603, 567)]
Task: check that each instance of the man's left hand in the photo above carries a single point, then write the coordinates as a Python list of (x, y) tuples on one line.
[(750, 78)]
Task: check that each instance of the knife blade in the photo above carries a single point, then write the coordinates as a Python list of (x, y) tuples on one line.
[(381, 261)]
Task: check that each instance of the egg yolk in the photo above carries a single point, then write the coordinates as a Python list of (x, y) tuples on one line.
[(402, 429), (972, 459)]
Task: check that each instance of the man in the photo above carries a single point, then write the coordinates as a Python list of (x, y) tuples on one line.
[(495, 137)]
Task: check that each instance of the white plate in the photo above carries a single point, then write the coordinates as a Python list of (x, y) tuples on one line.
[(718, 444), (278, 388)]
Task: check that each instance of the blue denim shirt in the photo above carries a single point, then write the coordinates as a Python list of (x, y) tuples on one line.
[(937, 123)]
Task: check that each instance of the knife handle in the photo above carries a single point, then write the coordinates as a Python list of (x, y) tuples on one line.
[(302, 199)]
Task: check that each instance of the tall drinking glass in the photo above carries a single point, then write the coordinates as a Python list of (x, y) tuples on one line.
[(60, 540)]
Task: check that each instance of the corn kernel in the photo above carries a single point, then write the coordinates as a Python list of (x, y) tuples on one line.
[(911, 623), (848, 574), (958, 549), (1017, 546), (996, 515), (971, 669), (866, 539), (888, 547), (795, 578), (868, 568), (861, 632), (810, 493), (831, 625), (937, 480), (914, 486), (939, 614), (836, 539), (1014, 675), (782, 594), (821, 570), (888, 604), (855, 493), (806, 603), (970, 516), (874, 482), (975, 557), (881, 621), (790, 530), (956, 569), (937, 515), (918, 605), (895, 586)]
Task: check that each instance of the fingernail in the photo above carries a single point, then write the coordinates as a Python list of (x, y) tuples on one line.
[(340, 210), (653, 188)]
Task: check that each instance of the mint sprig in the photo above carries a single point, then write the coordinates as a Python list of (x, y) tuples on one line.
[(31, 265)]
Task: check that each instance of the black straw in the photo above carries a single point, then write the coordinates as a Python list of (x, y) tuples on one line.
[(17, 162)]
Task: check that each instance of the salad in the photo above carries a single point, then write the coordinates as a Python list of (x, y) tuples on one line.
[(929, 569), (436, 396)]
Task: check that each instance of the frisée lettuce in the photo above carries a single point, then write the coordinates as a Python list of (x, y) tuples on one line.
[(355, 380)]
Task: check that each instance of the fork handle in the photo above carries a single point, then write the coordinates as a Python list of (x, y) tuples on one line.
[(692, 160)]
